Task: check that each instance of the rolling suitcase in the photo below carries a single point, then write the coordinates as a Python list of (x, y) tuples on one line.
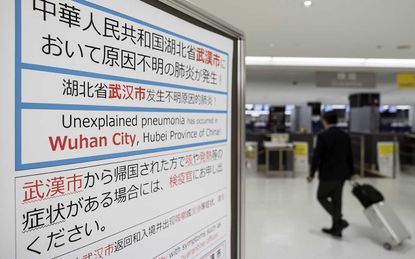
[(389, 228)]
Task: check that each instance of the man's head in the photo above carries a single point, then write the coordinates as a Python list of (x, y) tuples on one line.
[(329, 118)]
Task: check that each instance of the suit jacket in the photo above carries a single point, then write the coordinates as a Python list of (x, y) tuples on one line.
[(333, 156)]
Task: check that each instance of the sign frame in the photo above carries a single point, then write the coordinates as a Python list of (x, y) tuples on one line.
[(198, 16), (190, 13)]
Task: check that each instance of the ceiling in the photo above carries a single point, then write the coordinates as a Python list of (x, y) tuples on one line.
[(330, 28)]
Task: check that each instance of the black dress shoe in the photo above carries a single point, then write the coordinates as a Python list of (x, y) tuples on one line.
[(337, 233), (343, 224), (327, 230)]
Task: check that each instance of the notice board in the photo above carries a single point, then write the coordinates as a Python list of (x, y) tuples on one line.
[(120, 130)]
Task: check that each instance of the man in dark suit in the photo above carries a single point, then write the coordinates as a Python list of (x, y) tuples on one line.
[(334, 161)]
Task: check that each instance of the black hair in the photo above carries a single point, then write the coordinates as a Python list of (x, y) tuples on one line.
[(330, 117)]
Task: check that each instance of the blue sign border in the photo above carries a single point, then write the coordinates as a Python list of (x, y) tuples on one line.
[(19, 105)]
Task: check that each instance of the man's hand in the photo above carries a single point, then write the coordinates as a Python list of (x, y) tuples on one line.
[(310, 179), (355, 177)]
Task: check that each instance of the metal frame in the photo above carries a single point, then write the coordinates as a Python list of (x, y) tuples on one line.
[(238, 117), (370, 167), (395, 156), (193, 11), (359, 140), (241, 147), (362, 156), (281, 170)]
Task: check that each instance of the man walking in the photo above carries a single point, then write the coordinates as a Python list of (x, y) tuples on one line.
[(334, 161)]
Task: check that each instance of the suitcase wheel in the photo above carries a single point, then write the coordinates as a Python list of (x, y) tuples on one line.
[(387, 246)]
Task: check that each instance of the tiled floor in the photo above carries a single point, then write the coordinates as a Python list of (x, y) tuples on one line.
[(283, 220)]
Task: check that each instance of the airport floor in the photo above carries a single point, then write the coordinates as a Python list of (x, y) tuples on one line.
[(284, 220)]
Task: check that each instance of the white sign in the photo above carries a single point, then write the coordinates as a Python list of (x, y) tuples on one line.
[(386, 154), (121, 141), (301, 164)]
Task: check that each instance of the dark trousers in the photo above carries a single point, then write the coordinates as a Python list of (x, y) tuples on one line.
[(329, 195)]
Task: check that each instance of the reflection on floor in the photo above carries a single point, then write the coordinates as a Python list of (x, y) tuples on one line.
[(283, 220)]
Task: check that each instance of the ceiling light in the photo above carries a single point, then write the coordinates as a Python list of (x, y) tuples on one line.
[(338, 106), (390, 63), (307, 3), (300, 61), (329, 62), (403, 107)]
